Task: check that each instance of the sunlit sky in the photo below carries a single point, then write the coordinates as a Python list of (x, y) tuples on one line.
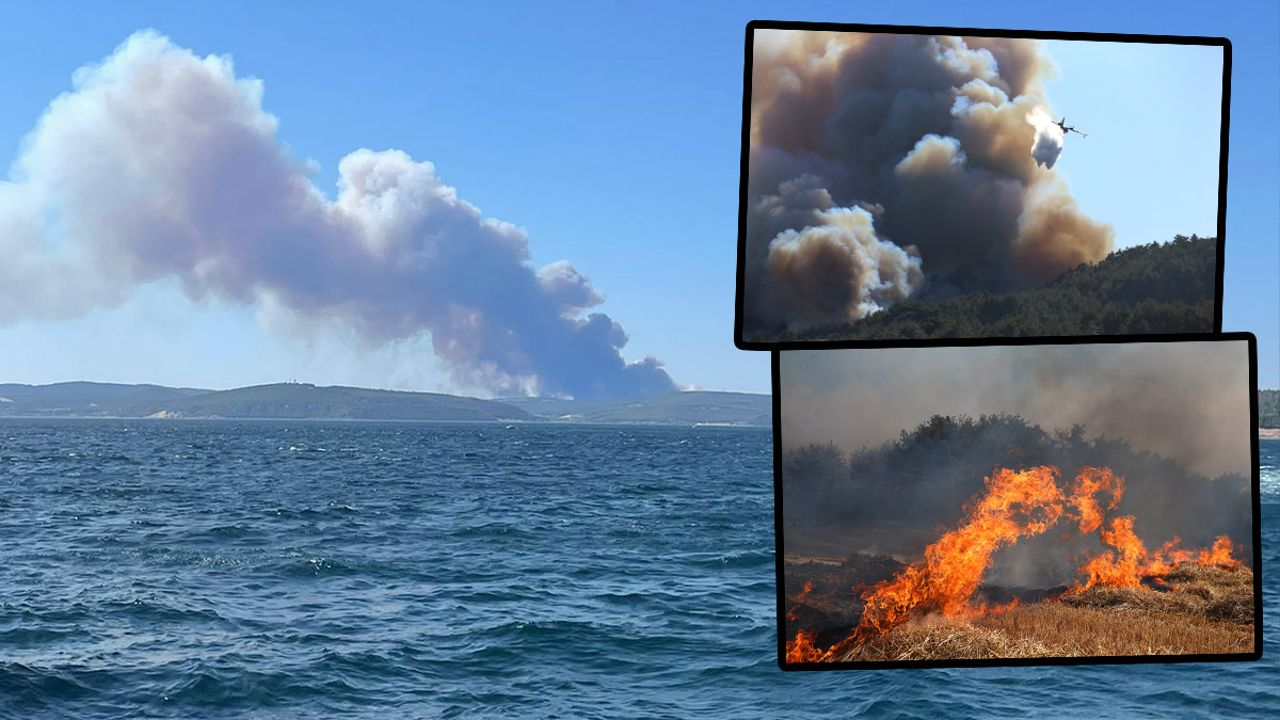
[(1151, 113), (611, 133)]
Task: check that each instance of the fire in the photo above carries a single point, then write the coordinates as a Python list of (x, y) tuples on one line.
[(1129, 563), (1016, 504), (1126, 566), (804, 592), (801, 648), (1089, 482), (1220, 554)]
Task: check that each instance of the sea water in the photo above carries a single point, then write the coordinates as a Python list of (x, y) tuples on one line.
[(248, 569)]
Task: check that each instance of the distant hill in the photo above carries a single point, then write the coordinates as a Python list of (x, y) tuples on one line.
[(1156, 288), (86, 398), (677, 408), (301, 400), (285, 400)]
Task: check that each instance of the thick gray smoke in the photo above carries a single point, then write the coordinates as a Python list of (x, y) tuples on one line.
[(933, 143), (163, 165), (835, 262), (1172, 419), (1186, 401)]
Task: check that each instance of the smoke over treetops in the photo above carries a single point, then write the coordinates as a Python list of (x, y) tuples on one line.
[(159, 164), (905, 436), (885, 167), (1186, 401)]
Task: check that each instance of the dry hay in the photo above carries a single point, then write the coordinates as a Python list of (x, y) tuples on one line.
[(937, 637), (1191, 589), (1202, 610)]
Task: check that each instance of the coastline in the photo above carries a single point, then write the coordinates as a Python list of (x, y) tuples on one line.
[(1269, 433), (533, 421)]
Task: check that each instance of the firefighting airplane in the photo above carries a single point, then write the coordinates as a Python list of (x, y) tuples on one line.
[(1067, 128)]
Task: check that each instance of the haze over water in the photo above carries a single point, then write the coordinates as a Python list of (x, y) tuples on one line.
[(322, 569)]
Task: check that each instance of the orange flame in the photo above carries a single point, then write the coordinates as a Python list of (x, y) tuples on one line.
[(1123, 568), (804, 592), (1089, 482), (801, 648), (1129, 563), (1016, 504), (1220, 554)]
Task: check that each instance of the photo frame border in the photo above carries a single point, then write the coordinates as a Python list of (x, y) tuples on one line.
[(739, 339), (1256, 490)]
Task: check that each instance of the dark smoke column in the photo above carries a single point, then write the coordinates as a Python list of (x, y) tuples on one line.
[(885, 167)]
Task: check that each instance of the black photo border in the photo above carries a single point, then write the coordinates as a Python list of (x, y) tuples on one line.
[(780, 557), (742, 343)]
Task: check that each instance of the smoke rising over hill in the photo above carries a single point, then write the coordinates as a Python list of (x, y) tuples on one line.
[(906, 436), (161, 165), (1187, 401), (891, 166)]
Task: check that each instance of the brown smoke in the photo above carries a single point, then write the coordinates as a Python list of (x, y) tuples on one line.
[(931, 140), (1186, 401)]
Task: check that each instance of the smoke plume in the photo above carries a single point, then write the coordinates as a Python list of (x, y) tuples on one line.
[(1186, 401), (161, 165), (835, 261), (863, 446), (933, 147), (1049, 137)]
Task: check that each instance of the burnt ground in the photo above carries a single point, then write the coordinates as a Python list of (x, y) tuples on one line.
[(833, 605)]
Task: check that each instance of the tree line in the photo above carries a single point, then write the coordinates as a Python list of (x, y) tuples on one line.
[(1154, 288)]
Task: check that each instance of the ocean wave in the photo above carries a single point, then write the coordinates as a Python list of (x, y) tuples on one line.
[(249, 582)]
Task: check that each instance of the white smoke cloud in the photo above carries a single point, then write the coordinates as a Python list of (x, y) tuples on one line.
[(1049, 137), (159, 164), (825, 263), (839, 270)]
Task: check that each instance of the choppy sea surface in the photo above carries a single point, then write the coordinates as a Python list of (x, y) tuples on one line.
[(317, 570)]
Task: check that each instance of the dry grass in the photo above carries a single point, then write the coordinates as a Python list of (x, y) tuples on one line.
[(935, 638), (1203, 611), (1207, 592)]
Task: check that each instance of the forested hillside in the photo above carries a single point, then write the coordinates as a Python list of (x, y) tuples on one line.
[(932, 470), (1156, 288)]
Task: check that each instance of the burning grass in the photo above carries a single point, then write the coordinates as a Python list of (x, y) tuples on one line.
[(1205, 611), (1130, 601), (1201, 611), (1056, 630), (1198, 610), (1212, 593), (826, 604)]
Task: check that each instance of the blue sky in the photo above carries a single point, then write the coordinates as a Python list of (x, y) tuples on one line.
[(1165, 135), (611, 133)]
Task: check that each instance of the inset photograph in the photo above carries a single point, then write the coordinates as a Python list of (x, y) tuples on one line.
[(1016, 504), (901, 185)]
